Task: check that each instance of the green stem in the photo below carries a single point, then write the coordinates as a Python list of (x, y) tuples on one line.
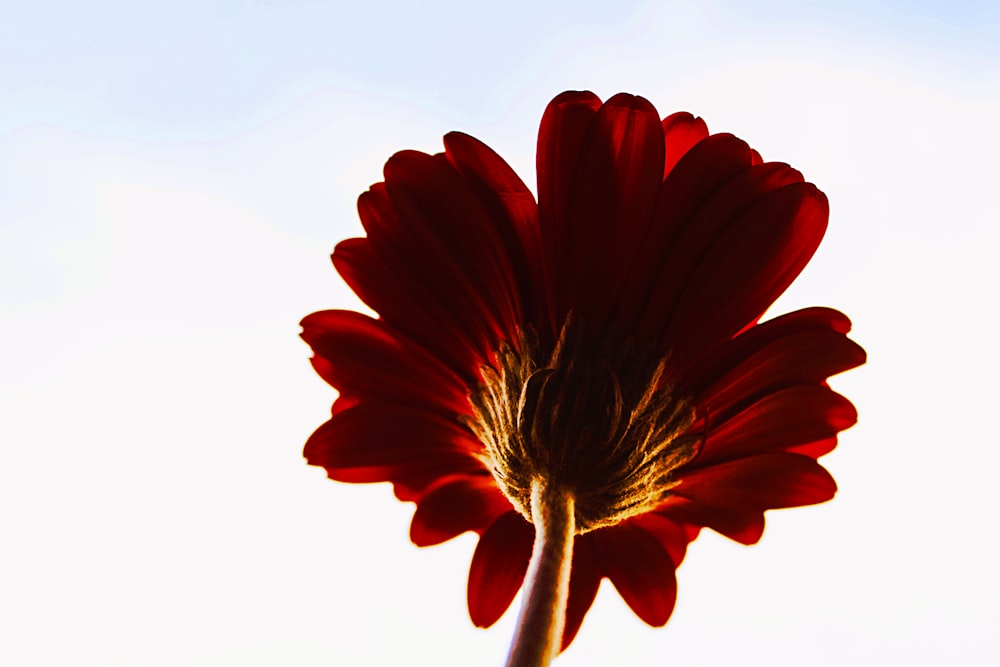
[(538, 636)]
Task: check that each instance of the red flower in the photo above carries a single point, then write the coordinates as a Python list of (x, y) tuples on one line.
[(607, 335)]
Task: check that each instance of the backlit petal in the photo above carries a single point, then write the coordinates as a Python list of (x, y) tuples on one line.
[(455, 506), (742, 525), (498, 567), (584, 583), (681, 131), (793, 416), (746, 268), (766, 481), (373, 434), (614, 187), (370, 360), (640, 568), (804, 347)]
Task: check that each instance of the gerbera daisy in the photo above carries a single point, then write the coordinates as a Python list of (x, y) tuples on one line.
[(586, 374)]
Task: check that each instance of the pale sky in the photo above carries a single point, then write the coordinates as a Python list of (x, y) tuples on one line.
[(173, 179)]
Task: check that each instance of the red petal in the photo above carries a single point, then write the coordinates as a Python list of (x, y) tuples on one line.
[(438, 259), (614, 187), (766, 481), (457, 244), (456, 506), (705, 168), (815, 449), (673, 536), (371, 435), (704, 226), (411, 482), (804, 347), (498, 568), (368, 359), (747, 267), (407, 305), (512, 205), (640, 568), (584, 582), (743, 525), (564, 125), (784, 419), (681, 131)]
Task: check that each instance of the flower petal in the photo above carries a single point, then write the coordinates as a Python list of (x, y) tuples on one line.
[(565, 124), (498, 567), (438, 258), (746, 268), (694, 235), (672, 535), (410, 480), (640, 568), (816, 448), (454, 506), (378, 435), (414, 310), (369, 359), (457, 241), (705, 168), (742, 525), (613, 190), (512, 206), (584, 582), (766, 481), (804, 347), (681, 131), (794, 416)]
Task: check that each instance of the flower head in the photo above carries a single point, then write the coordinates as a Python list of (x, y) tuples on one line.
[(605, 339)]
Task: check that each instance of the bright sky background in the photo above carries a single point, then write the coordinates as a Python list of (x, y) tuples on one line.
[(173, 178)]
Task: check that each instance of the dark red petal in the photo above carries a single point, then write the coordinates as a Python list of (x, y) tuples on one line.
[(366, 358), (498, 567), (439, 261), (743, 525), (455, 506), (672, 535), (410, 480), (565, 124), (695, 235), (704, 169), (614, 187), (407, 305), (766, 481), (815, 449), (681, 131), (804, 347), (512, 206), (747, 267), (584, 582), (458, 246), (782, 420), (640, 568), (372, 435)]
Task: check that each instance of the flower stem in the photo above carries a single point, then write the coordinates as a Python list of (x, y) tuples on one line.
[(538, 636)]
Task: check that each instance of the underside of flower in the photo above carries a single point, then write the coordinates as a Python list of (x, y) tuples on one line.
[(602, 347), (594, 417)]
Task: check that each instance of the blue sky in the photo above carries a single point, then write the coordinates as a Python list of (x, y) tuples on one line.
[(173, 178), (191, 70)]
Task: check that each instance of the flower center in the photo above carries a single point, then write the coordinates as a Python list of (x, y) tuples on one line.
[(594, 417)]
